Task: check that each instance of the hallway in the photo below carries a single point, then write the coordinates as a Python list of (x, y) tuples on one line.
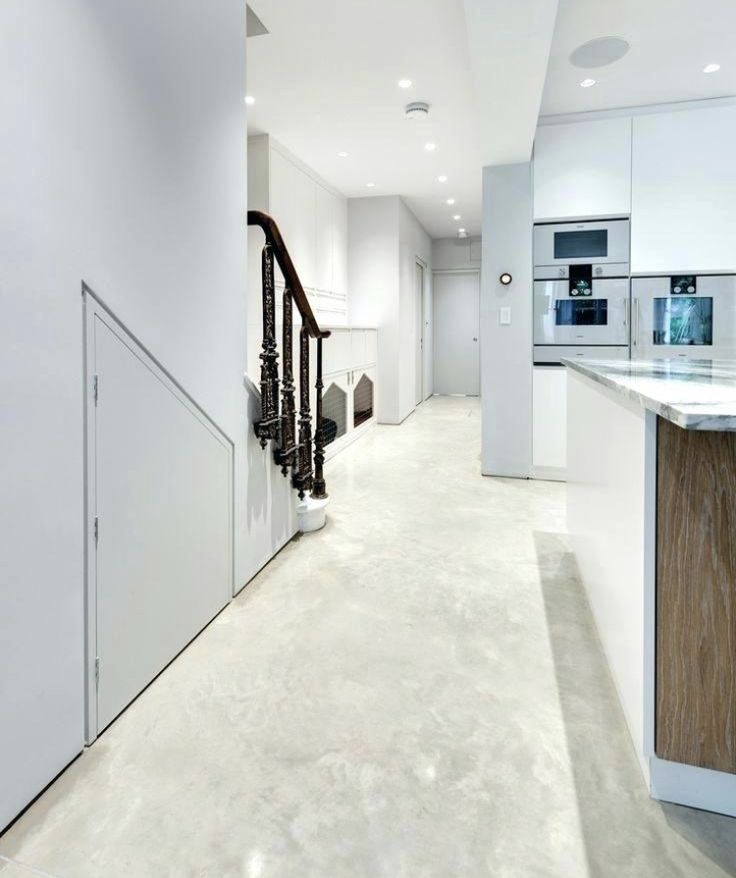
[(414, 692)]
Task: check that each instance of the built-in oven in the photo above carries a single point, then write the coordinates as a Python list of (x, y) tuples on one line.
[(581, 290), (687, 316)]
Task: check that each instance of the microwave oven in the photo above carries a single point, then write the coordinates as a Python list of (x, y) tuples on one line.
[(601, 243)]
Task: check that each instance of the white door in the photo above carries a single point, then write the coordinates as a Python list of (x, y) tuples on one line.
[(162, 477), (419, 317), (456, 331)]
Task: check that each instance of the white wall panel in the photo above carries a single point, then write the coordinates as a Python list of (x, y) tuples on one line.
[(124, 166), (582, 169)]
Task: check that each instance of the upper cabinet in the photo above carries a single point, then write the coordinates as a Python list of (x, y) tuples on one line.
[(313, 220), (684, 192), (582, 170)]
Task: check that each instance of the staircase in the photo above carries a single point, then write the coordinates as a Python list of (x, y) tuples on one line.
[(298, 451)]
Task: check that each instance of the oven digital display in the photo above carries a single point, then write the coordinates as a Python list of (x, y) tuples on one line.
[(685, 320), (581, 244), (581, 312)]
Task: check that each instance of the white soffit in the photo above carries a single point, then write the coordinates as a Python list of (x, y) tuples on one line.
[(509, 46)]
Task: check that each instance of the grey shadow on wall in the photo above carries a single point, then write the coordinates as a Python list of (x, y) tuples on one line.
[(626, 833), (263, 476)]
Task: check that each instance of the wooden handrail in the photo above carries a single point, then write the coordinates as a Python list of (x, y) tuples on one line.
[(273, 236)]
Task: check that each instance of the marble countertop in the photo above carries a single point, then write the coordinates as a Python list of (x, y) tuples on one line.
[(694, 394)]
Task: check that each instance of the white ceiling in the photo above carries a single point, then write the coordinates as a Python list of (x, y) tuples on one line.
[(325, 80), (671, 41)]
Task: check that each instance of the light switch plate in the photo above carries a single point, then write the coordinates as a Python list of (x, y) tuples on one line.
[(504, 316)]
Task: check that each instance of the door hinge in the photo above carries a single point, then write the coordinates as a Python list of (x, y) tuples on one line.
[(96, 387), (97, 671), (97, 530)]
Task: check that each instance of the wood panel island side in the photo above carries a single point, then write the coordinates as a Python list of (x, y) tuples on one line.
[(652, 522)]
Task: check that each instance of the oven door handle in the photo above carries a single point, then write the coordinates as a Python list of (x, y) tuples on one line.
[(626, 312), (634, 321)]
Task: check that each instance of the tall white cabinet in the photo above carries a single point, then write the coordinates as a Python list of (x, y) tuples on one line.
[(683, 213), (582, 169)]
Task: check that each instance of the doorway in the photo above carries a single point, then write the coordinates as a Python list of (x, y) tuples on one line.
[(456, 298), (419, 319)]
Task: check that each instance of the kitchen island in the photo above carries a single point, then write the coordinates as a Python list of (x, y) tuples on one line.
[(651, 469)]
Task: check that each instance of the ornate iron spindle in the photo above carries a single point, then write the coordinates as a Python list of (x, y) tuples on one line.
[(286, 456), (319, 491), (268, 427), (303, 477)]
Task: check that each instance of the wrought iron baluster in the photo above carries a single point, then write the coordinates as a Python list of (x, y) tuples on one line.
[(286, 454), (268, 427), (303, 479), (319, 491)]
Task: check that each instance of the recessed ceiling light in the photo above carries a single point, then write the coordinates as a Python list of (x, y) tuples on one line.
[(430, 147), (249, 99), (457, 217), (405, 83), (461, 231), (442, 178), (343, 154), (370, 185), (450, 200), (711, 68), (586, 83)]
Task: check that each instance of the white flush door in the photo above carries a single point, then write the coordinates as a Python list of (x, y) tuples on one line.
[(162, 477), (456, 333)]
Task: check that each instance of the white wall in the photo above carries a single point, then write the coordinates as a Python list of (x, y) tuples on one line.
[(683, 215), (313, 219), (384, 241), (456, 254), (414, 245), (583, 169), (506, 351), (373, 279), (124, 166)]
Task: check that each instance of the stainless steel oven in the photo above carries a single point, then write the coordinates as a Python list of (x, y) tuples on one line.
[(581, 290), (687, 316)]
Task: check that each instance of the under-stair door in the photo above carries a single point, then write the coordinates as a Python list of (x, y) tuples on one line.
[(160, 519)]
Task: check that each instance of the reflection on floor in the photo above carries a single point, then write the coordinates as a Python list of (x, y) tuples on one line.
[(414, 692)]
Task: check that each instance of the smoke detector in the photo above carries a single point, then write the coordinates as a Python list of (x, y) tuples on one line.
[(417, 110)]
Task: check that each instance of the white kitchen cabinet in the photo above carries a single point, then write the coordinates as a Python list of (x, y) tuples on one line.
[(549, 425), (292, 205), (582, 169), (684, 192)]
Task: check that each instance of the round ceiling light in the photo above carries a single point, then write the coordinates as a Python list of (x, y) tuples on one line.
[(342, 155), (250, 100), (587, 83), (370, 185), (599, 52), (711, 68), (457, 217), (405, 83), (450, 200), (442, 178)]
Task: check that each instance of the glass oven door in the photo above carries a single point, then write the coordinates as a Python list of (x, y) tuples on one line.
[(597, 319)]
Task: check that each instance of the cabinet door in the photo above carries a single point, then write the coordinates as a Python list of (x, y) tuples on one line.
[(324, 233), (293, 195), (582, 170), (684, 192)]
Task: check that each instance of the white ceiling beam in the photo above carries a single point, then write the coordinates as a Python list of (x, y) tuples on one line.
[(509, 43)]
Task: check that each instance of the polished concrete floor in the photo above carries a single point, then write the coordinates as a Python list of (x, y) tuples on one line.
[(415, 692)]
